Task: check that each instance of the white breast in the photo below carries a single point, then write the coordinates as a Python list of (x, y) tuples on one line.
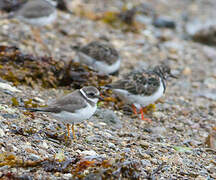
[(77, 117), (42, 21), (139, 100)]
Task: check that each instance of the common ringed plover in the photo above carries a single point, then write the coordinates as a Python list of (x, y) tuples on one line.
[(73, 108)]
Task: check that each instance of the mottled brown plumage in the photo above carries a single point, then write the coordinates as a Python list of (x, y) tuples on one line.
[(101, 51), (143, 82)]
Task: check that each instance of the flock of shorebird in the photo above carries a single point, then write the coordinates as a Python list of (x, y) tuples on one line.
[(138, 88)]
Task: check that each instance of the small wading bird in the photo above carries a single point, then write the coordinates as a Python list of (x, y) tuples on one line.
[(36, 13), (100, 56), (142, 87), (73, 108)]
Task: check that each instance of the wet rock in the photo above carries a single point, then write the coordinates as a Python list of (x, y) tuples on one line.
[(67, 176), (210, 52), (34, 157), (144, 144), (159, 115), (88, 153), (207, 94), (8, 87), (111, 145), (92, 139), (159, 130), (210, 82), (10, 116), (2, 133), (145, 163), (126, 150), (109, 117), (164, 22), (187, 71)]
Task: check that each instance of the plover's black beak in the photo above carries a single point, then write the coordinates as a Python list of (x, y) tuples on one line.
[(99, 97), (173, 76)]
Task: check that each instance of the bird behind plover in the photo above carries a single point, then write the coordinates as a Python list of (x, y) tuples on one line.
[(73, 108), (101, 56), (142, 87), (36, 12)]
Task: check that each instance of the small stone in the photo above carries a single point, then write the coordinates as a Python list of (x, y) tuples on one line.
[(96, 138), (34, 157), (107, 135), (187, 71), (10, 116), (88, 153), (44, 145), (144, 144), (109, 117), (164, 22), (67, 176), (126, 150), (159, 130), (159, 115), (210, 52), (146, 156), (146, 162), (111, 145), (2, 133), (210, 82), (207, 94), (60, 156), (8, 87), (37, 99)]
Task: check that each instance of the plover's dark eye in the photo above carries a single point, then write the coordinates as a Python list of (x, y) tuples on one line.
[(91, 94)]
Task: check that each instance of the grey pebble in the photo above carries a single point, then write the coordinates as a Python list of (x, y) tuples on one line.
[(109, 117)]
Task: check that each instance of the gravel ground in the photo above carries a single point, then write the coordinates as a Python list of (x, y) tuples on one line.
[(180, 143)]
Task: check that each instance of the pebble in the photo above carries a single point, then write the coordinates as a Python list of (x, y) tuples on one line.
[(9, 87), (34, 157), (37, 99), (207, 94), (107, 135), (88, 153), (109, 117), (164, 22), (159, 130), (159, 115), (94, 138), (210, 82), (144, 144), (210, 52), (126, 150), (187, 71), (10, 116), (111, 145), (146, 162), (146, 156), (67, 176), (2, 133)]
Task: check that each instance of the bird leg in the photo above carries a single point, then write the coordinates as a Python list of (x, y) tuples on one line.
[(134, 109), (68, 130), (74, 135), (142, 116)]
